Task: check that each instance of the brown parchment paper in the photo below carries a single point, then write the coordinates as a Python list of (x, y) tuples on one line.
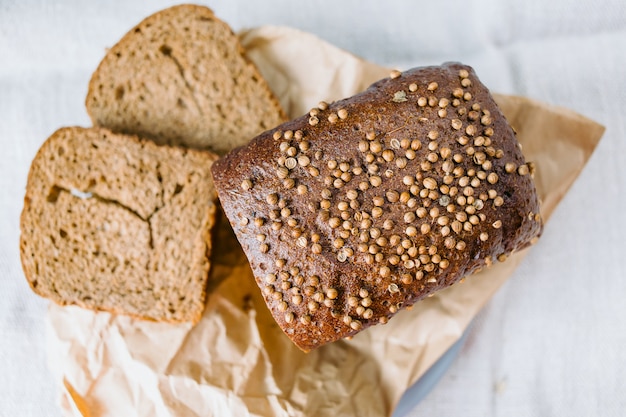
[(236, 361)]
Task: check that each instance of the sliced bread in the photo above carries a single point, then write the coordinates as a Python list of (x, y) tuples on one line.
[(181, 77), (115, 223)]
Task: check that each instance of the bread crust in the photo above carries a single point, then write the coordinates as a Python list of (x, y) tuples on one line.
[(365, 206)]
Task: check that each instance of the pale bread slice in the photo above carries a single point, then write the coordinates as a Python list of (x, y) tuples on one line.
[(115, 223), (181, 77)]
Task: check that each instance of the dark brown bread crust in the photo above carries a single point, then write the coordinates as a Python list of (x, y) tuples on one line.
[(370, 204)]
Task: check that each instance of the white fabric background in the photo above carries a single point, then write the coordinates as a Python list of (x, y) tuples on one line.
[(552, 341)]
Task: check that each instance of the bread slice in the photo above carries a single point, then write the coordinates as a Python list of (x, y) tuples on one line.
[(111, 222), (367, 205), (181, 77)]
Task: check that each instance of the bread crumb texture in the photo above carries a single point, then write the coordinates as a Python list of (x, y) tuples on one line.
[(114, 223), (364, 206), (181, 77)]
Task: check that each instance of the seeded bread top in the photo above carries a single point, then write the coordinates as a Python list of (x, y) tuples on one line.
[(181, 77), (364, 206), (114, 223)]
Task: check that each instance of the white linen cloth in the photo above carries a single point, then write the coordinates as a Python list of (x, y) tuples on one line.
[(551, 342)]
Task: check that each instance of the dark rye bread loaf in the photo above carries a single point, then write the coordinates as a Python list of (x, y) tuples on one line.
[(365, 206), (114, 223), (181, 77)]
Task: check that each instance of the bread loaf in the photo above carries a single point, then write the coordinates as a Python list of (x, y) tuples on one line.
[(114, 223), (363, 207), (181, 77)]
